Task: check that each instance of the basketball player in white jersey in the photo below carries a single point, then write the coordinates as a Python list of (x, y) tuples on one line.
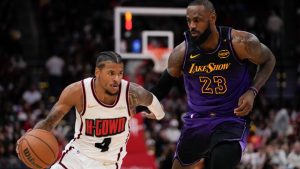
[(104, 104)]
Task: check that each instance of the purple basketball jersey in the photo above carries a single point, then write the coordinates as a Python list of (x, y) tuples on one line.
[(214, 80)]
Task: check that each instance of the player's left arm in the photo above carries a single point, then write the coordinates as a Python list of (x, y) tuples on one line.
[(140, 96), (247, 46)]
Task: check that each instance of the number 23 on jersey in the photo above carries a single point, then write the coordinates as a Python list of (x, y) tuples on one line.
[(207, 87)]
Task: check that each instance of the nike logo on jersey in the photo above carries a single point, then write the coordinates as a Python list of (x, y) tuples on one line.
[(194, 56), (91, 106)]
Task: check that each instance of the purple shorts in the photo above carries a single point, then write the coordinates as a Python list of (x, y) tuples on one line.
[(200, 135)]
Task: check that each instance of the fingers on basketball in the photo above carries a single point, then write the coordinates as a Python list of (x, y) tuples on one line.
[(38, 148)]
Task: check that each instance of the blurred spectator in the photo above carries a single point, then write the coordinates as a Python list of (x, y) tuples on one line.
[(253, 159), (32, 95), (18, 62), (172, 132), (294, 156), (274, 26), (278, 157), (275, 23), (55, 65), (281, 122)]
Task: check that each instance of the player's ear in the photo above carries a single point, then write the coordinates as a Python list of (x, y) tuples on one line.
[(213, 17), (97, 71)]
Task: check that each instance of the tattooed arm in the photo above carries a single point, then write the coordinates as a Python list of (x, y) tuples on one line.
[(247, 46), (140, 96), (175, 60), (62, 107)]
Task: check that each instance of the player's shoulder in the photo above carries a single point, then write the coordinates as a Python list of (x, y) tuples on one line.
[(180, 48), (176, 59), (178, 52), (239, 36), (72, 94), (137, 90), (244, 43), (134, 87), (74, 88)]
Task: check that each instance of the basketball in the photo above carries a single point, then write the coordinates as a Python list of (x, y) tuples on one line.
[(38, 148)]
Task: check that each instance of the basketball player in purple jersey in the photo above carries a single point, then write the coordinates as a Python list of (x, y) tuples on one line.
[(213, 61)]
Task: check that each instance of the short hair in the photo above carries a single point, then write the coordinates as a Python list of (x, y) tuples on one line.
[(206, 3), (108, 56)]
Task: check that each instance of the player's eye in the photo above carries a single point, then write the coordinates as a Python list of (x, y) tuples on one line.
[(196, 20), (111, 73)]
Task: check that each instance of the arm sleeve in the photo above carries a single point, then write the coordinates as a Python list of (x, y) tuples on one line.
[(156, 108), (161, 90), (164, 85)]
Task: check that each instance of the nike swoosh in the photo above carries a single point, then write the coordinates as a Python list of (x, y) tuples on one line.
[(194, 56), (91, 106)]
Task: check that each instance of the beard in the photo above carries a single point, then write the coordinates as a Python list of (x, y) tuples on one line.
[(202, 37), (111, 94)]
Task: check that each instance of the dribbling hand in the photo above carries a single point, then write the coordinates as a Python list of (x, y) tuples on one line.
[(245, 104), (17, 145)]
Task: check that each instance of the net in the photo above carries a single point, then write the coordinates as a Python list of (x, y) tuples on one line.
[(160, 58)]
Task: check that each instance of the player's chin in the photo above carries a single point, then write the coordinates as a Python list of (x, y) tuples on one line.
[(195, 38), (115, 91), (195, 34)]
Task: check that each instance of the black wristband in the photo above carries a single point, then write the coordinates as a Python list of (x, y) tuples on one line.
[(164, 85), (161, 90), (141, 109)]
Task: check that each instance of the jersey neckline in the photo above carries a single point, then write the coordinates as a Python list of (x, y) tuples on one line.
[(99, 101), (213, 50)]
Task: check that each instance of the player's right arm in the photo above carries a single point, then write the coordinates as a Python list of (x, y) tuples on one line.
[(140, 96), (176, 60), (70, 96), (65, 102), (170, 75)]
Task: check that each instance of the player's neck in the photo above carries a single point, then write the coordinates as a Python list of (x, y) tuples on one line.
[(212, 41), (102, 95)]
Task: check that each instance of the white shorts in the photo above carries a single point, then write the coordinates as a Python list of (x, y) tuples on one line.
[(73, 159)]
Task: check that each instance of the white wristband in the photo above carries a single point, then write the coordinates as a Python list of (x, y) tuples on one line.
[(156, 108)]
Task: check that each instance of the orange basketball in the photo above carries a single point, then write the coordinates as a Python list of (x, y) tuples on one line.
[(38, 148)]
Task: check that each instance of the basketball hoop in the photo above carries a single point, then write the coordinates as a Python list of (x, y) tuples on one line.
[(160, 57)]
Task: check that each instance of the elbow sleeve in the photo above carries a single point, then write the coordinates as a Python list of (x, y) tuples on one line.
[(156, 108), (161, 90)]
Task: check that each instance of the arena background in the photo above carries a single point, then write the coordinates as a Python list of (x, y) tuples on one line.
[(48, 44)]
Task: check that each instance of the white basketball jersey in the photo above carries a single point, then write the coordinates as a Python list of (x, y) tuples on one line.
[(102, 131)]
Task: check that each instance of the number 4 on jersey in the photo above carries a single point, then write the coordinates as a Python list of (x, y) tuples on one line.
[(104, 145)]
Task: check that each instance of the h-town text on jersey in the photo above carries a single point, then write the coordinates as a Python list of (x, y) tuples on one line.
[(105, 127)]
